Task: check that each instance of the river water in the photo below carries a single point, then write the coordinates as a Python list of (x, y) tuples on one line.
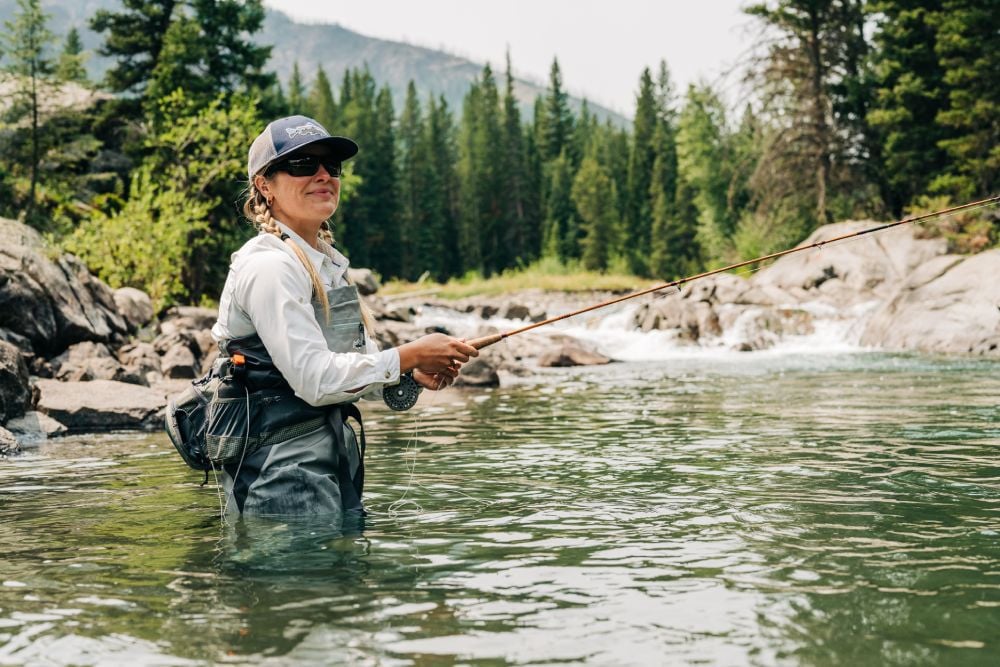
[(766, 508)]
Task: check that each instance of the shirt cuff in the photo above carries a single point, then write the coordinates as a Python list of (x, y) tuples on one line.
[(388, 366)]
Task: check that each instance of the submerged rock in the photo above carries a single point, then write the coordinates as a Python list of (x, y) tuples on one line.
[(35, 427), (572, 354), (15, 391), (9, 446), (101, 405)]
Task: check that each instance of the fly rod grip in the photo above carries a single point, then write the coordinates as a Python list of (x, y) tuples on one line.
[(485, 341)]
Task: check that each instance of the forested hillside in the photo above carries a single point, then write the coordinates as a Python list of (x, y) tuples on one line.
[(853, 109)]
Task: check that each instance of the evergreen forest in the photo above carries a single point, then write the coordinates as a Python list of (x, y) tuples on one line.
[(850, 109)]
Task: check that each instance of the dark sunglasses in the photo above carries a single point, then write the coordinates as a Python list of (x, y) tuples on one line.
[(306, 165)]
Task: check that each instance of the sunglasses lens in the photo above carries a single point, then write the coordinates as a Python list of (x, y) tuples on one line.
[(308, 166)]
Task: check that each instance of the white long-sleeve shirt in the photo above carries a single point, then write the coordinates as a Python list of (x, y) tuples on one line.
[(268, 292)]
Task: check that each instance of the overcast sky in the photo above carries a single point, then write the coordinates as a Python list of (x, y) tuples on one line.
[(602, 45)]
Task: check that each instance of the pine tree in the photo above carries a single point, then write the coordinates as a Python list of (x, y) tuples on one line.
[(562, 226), (444, 188), (70, 64), (557, 127), (322, 106), (25, 43), (297, 103), (413, 187), (514, 242), (968, 44), (381, 187), (594, 197), (910, 92), (135, 39), (640, 170)]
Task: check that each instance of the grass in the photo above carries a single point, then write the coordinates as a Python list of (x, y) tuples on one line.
[(545, 274)]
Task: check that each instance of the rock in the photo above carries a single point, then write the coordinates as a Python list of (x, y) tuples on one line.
[(135, 306), (34, 427), (399, 313), (9, 445), (945, 307), (365, 280), (665, 313), (141, 359), (101, 405), (179, 362), (760, 328), (488, 311), (54, 303), (15, 390), (517, 311), (871, 266), (188, 318), (572, 354), (478, 373), (91, 361)]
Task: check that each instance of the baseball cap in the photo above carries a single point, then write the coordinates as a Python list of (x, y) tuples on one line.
[(286, 135)]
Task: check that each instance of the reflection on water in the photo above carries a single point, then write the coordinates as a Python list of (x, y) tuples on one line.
[(837, 509)]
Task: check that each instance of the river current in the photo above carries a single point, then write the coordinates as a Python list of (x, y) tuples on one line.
[(824, 507)]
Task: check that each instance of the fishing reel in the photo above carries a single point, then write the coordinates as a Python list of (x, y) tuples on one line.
[(404, 395)]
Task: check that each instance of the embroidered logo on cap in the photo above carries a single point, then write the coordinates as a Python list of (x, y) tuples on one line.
[(309, 129)]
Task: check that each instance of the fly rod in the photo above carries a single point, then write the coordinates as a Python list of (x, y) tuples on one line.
[(485, 341)]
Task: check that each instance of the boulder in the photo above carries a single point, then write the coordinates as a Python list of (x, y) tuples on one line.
[(517, 311), (870, 266), (35, 427), (572, 354), (945, 307), (759, 328), (9, 445), (53, 303), (179, 362), (188, 318), (101, 405), (135, 306), (15, 390), (478, 372), (91, 361), (365, 280), (141, 360)]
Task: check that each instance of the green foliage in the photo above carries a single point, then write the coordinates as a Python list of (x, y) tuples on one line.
[(594, 196), (966, 232), (70, 64), (174, 232)]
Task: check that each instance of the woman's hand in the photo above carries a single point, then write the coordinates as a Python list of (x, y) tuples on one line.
[(433, 381), (435, 354)]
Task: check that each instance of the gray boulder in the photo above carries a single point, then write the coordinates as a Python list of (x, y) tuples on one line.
[(135, 306), (366, 281), (101, 405), (478, 372), (188, 318), (91, 361), (15, 390), (141, 360), (572, 354), (945, 307), (35, 427), (53, 303), (870, 266), (9, 446)]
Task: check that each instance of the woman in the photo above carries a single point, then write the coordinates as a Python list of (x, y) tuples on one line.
[(298, 339)]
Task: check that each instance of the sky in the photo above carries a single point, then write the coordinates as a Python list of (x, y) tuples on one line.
[(602, 45)]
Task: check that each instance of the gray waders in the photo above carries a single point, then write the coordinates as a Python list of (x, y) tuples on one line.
[(317, 464)]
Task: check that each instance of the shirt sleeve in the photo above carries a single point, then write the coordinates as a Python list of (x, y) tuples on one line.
[(275, 292)]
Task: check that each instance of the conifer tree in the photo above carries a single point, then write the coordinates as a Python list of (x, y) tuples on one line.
[(135, 39), (557, 127), (413, 186), (297, 103), (640, 170), (442, 229), (514, 241), (968, 44), (380, 186), (70, 64), (322, 106), (594, 197), (24, 44), (910, 92), (562, 226)]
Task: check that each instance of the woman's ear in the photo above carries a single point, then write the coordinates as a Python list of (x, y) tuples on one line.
[(262, 186)]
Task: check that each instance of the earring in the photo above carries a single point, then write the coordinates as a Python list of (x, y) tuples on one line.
[(270, 200)]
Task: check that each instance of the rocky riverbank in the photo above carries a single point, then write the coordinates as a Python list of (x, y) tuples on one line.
[(77, 355)]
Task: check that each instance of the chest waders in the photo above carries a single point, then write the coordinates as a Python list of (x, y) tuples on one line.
[(280, 454)]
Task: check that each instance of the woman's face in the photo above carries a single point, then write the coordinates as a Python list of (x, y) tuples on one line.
[(302, 199)]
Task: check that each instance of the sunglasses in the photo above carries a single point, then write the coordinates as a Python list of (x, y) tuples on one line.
[(306, 165)]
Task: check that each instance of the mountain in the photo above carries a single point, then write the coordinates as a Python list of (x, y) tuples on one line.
[(337, 48)]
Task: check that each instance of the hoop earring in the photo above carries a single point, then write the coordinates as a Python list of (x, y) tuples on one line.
[(269, 201)]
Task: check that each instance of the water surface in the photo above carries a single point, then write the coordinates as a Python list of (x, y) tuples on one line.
[(784, 509)]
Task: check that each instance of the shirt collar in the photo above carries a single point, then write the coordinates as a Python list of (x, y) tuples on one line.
[(326, 252)]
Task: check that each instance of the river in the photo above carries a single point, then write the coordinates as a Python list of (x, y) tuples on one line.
[(789, 507)]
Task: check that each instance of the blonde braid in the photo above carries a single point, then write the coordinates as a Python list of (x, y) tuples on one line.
[(258, 210)]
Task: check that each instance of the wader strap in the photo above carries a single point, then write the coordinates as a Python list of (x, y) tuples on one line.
[(351, 486)]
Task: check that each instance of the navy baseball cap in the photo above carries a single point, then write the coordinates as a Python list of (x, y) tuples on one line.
[(286, 135)]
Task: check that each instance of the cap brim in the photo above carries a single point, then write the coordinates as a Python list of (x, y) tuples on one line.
[(341, 148)]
